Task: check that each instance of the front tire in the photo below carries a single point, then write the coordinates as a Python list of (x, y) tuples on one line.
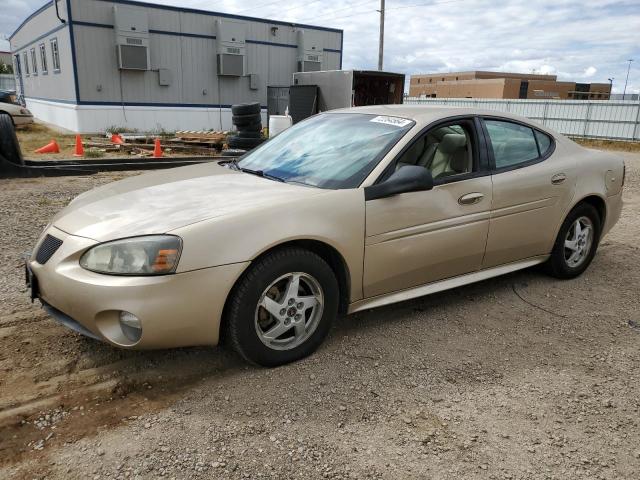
[(576, 243), (282, 308)]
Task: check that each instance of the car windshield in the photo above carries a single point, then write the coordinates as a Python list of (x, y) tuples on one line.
[(330, 150)]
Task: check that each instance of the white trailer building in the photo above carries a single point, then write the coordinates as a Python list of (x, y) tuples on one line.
[(85, 65)]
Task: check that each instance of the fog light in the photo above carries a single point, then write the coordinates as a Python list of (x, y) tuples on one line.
[(131, 326)]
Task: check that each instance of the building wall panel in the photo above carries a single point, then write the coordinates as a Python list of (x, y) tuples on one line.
[(42, 28), (180, 40)]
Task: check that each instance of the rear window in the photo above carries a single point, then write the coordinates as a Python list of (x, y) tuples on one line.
[(512, 143), (544, 142)]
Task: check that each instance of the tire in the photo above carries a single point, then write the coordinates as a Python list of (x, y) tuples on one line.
[(244, 143), (9, 146), (249, 134), (563, 263), (252, 127), (240, 120), (246, 108), (246, 321)]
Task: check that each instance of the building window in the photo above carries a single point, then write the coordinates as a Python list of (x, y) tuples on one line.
[(43, 59), (430, 80), (34, 61), (25, 60), (418, 80), (55, 55)]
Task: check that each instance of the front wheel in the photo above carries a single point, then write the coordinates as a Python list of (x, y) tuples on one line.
[(283, 307), (576, 243)]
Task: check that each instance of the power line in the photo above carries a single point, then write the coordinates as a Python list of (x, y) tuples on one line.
[(354, 5), (341, 17), (260, 6)]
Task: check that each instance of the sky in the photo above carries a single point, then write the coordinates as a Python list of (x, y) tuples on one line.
[(584, 41)]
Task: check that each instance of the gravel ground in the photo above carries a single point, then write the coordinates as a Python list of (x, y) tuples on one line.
[(519, 377)]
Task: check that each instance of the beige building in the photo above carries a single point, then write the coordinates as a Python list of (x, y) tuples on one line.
[(479, 84)]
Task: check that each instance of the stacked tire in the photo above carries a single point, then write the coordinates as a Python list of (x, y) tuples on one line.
[(248, 122)]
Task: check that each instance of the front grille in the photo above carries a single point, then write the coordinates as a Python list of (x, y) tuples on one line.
[(47, 248)]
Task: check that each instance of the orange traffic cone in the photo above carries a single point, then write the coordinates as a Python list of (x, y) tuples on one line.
[(79, 151), (117, 139), (51, 147), (157, 151)]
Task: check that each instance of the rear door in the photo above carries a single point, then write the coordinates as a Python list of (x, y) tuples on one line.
[(531, 187), (421, 237)]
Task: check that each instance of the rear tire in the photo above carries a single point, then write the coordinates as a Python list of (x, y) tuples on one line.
[(300, 312), (9, 146), (576, 243)]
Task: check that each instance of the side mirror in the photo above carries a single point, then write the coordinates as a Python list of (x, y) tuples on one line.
[(409, 178)]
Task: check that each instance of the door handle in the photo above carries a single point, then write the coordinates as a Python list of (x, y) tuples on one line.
[(558, 178), (470, 198)]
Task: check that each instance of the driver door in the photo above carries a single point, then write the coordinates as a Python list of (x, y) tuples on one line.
[(416, 238)]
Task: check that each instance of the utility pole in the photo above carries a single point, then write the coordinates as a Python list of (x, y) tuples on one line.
[(381, 46), (625, 82)]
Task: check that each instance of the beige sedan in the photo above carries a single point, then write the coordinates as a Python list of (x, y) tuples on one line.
[(345, 211)]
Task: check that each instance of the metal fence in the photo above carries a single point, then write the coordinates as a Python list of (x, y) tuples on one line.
[(579, 118), (7, 81)]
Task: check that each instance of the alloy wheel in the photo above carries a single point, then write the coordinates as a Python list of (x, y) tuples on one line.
[(578, 241), (289, 311)]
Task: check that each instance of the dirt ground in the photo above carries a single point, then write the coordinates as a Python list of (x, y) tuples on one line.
[(32, 137), (519, 377)]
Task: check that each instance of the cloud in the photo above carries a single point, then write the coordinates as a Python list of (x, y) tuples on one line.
[(573, 39), (590, 71)]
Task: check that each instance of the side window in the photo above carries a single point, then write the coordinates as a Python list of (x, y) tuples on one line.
[(55, 55), (25, 58), (446, 151), (43, 58), (512, 143), (544, 142), (34, 61)]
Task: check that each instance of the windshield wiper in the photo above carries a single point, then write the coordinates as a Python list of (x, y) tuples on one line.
[(259, 173)]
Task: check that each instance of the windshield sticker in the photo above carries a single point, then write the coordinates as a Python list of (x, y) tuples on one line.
[(395, 121)]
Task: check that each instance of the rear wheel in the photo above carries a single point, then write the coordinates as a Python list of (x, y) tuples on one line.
[(282, 309), (576, 243), (9, 146)]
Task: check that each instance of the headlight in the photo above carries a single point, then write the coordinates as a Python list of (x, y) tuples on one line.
[(148, 255), (24, 111)]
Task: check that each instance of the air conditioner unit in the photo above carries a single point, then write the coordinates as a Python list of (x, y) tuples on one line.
[(131, 26), (310, 51), (231, 48), (133, 57)]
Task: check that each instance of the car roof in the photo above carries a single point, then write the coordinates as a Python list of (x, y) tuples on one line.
[(423, 114)]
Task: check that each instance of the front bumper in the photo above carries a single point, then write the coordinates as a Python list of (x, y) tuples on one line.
[(19, 120), (182, 309)]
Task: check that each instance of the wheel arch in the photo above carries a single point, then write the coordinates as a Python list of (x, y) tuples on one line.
[(4, 112), (597, 202), (327, 252)]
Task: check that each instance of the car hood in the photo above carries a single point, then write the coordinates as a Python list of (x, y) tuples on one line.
[(162, 201)]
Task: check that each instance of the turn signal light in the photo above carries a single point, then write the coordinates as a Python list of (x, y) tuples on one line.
[(165, 260)]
